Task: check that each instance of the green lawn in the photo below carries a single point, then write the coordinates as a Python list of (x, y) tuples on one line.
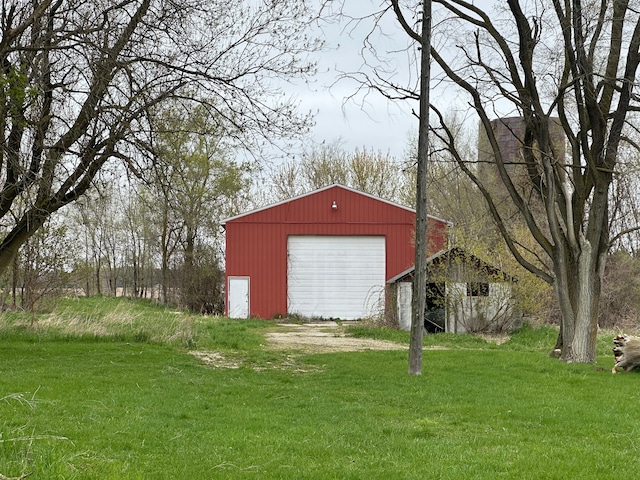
[(127, 401)]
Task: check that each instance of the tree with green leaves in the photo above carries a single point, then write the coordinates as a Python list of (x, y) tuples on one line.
[(189, 190), (79, 79)]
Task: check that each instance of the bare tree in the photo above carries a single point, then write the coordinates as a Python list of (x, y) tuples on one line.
[(78, 79), (372, 172), (625, 199), (571, 63), (325, 165), (89, 216), (139, 226)]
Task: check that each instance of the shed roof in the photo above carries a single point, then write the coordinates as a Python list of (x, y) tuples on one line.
[(442, 255)]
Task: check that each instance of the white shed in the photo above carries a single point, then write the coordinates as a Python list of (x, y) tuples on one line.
[(464, 295)]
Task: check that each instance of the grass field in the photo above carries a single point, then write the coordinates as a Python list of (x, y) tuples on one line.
[(107, 389)]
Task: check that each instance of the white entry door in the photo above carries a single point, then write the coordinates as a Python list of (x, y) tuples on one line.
[(238, 297), (405, 295), (336, 276)]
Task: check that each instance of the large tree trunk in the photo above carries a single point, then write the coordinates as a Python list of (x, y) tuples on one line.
[(24, 230), (579, 321), (578, 274)]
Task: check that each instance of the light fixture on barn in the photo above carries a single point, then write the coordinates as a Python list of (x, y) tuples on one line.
[(334, 205)]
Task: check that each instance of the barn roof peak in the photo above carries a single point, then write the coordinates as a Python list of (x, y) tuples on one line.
[(313, 192)]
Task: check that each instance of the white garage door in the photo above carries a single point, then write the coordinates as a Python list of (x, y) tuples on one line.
[(336, 276)]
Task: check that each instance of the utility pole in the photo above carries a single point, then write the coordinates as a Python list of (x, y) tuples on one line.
[(420, 272)]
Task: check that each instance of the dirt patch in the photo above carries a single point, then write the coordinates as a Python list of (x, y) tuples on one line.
[(220, 360), (295, 340), (215, 359), (497, 339), (323, 337)]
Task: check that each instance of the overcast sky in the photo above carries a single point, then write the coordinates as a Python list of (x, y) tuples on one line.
[(372, 122)]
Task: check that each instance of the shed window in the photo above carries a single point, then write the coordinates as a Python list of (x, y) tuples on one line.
[(477, 289)]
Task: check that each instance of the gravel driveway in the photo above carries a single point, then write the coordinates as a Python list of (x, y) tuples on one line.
[(323, 337)]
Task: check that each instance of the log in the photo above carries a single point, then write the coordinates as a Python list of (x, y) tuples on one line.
[(626, 353)]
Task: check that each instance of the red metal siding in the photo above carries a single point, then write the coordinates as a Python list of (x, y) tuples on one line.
[(256, 243)]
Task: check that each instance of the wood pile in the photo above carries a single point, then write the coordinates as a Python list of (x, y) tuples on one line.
[(626, 353)]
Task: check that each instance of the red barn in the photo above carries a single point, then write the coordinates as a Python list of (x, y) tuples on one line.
[(325, 254)]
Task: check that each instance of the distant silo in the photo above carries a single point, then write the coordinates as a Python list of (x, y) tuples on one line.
[(509, 133)]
